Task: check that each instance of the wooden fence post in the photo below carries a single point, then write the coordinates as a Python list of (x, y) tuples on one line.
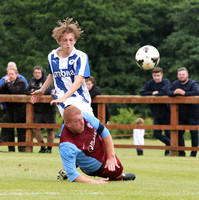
[(29, 119), (174, 133), (102, 112)]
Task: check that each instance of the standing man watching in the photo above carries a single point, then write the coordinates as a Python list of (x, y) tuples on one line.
[(188, 113), (43, 112), (158, 86), (68, 69)]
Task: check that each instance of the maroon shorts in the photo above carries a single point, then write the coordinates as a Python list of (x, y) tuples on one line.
[(105, 173)]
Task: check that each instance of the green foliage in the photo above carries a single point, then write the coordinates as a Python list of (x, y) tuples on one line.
[(113, 32), (127, 116), (180, 47)]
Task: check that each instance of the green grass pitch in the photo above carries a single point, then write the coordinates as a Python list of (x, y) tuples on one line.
[(33, 176)]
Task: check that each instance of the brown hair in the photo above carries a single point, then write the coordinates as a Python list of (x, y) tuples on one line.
[(67, 26), (157, 70), (182, 69), (91, 78), (38, 68)]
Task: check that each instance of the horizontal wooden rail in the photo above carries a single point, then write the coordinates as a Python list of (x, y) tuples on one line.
[(145, 99), (113, 126), (101, 100), (110, 99)]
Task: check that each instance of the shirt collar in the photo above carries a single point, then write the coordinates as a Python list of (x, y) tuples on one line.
[(71, 54)]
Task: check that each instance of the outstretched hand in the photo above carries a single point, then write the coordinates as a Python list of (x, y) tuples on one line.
[(36, 95), (102, 181), (111, 163)]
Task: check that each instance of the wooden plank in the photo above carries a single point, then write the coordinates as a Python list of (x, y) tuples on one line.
[(176, 148), (174, 133), (125, 146), (110, 99), (110, 126), (144, 99), (102, 112), (29, 119)]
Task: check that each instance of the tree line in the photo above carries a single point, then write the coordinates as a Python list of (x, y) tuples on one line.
[(113, 31)]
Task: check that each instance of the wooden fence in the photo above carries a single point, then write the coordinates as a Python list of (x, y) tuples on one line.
[(101, 100)]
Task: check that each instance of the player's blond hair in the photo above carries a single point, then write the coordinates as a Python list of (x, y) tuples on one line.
[(67, 26)]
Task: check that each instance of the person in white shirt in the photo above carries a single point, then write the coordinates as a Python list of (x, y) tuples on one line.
[(138, 136), (68, 69)]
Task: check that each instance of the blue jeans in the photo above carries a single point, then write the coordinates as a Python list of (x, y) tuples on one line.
[(158, 133)]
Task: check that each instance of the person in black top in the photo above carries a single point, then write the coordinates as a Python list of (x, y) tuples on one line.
[(43, 112), (15, 112), (158, 86), (95, 90), (188, 113)]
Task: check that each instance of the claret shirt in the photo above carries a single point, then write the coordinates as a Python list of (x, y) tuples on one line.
[(85, 150)]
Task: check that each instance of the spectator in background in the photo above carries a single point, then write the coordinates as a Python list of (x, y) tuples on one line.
[(2, 81), (13, 66), (95, 90), (158, 86), (43, 112), (15, 112), (188, 113), (138, 136)]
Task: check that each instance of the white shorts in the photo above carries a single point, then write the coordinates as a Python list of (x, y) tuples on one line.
[(82, 105)]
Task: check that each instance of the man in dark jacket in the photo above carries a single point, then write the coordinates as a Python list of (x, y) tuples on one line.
[(188, 113), (158, 86), (15, 112), (43, 112)]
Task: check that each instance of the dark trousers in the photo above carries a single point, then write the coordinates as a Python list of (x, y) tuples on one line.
[(194, 135), (140, 152), (8, 134), (158, 133)]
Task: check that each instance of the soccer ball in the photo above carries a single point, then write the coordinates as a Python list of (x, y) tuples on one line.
[(147, 57)]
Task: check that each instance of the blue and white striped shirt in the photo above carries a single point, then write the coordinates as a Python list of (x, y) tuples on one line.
[(64, 71)]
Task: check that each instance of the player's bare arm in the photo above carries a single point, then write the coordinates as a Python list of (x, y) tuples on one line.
[(111, 162), (36, 95), (84, 179), (74, 87)]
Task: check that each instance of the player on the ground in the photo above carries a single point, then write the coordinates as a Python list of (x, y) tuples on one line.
[(68, 68), (87, 144)]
